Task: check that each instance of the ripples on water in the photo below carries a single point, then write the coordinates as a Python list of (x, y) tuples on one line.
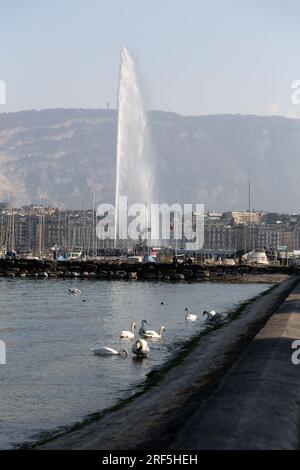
[(52, 379)]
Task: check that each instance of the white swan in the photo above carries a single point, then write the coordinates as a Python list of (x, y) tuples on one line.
[(104, 351), (209, 314), (128, 334), (142, 327), (140, 348), (153, 334), (212, 317), (74, 291), (190, 316)]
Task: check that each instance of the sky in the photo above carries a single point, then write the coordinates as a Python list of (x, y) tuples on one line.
[(195, 57)]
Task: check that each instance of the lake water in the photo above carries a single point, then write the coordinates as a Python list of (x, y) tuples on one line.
[(52, 379)]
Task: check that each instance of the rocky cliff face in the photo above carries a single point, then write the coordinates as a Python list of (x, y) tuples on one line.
[(68, 154)]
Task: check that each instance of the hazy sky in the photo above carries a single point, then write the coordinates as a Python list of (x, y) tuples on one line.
[(195, 56)]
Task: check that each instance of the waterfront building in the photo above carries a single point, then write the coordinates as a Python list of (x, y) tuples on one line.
[(269, 236), (244, 217), (37, 229)]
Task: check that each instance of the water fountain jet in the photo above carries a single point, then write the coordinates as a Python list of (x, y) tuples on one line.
[(134, 169)]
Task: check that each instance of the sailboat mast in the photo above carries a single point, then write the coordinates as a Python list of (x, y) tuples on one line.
[(65, 229), (95, 231), (29, 230), (83, 235), (13, 227), (59, 227), (10, 245), (249, 201), (93, 225), (41, 228)]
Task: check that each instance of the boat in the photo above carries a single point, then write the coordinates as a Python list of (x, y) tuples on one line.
[(257, 256), (28, 257), (73, 255)]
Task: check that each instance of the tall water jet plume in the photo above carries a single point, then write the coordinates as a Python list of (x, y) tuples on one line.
[(134, 168)]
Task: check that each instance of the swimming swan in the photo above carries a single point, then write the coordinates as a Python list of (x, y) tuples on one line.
[(190, 316), (209, 314), (142, 327), (104, 351), (212, 317), (74, 291), (128, 334), (153, 334), (140, 348)]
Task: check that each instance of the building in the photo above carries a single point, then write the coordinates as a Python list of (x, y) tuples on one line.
[(244, 217), (269, 236), (37, 229)]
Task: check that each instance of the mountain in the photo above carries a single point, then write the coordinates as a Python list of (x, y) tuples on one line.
[(68, 154)]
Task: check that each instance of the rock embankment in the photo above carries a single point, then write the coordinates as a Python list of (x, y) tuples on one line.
[(99, 269)]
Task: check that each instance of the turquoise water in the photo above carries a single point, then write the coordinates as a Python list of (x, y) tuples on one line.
[(52, 379)]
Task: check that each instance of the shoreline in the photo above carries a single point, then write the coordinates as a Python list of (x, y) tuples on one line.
[(177, 387)]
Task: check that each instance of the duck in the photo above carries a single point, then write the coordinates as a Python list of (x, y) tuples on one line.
[(190, 316), (105, 351), (140, 348), (142, 327), (128, 334), (74, 291), (153, 334)]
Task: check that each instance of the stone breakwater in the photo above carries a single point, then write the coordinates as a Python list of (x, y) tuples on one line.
[(98, 269)]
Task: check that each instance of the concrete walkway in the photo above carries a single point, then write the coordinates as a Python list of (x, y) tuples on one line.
[(257, 403)]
